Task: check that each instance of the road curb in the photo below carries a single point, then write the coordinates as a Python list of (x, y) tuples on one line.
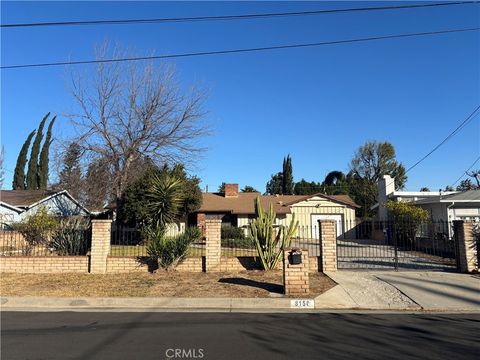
[(177, 304)]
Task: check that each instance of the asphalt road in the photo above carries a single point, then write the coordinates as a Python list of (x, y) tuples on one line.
[(100, 335)]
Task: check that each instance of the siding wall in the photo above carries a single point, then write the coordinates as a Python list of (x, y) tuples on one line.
[(304, 210)]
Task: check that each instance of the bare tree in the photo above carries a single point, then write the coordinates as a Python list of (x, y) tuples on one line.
[(130, 110)]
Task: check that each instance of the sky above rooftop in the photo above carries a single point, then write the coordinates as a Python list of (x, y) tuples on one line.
[(316, 104)]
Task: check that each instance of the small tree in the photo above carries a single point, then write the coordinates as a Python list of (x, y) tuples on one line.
[(407, 220), (37, 229), (165, 197), (133, 206), (270, 242), (274, 185), (248, 189)]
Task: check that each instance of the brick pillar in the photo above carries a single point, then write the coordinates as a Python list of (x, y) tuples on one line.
[(213, 245), (466, 246), (201, 222), (328, 244), (101, 230), (295, 277)]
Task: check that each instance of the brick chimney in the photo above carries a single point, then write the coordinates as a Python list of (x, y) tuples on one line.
[(231, 190)]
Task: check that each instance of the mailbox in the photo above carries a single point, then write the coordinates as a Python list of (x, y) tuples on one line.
[(295, 256)]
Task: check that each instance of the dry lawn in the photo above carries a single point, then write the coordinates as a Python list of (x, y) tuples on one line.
[(248, 284)]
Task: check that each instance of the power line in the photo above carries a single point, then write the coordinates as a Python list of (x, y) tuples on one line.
[(465, 172), (234, 51), (453, 133), (232, 17)]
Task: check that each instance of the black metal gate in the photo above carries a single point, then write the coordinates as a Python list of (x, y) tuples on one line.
[(398, 246)]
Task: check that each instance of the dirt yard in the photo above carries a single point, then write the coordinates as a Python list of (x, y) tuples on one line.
[(248, 284)]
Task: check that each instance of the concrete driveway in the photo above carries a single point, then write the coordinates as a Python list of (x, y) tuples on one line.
[(437, 290), (414, 290)]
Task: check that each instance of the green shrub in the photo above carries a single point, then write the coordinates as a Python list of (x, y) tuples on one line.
[(242, 243), (232, 232), (36, 229), (407, 219), (71, 237), (169, 251)]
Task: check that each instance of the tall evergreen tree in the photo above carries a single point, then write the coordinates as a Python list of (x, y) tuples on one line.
[(70, 177), (19, 174), (32, 173), (274, 185), (42, 176), (287, 178)]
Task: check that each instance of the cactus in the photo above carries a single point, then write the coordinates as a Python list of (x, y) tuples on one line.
[(270, 243)]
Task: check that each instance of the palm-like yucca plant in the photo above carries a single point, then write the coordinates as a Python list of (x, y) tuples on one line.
[(165, 199), (270, 243)]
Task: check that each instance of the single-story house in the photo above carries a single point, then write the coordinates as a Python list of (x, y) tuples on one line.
[(442, 205), (17, 204), (237, 209), (459, 206)]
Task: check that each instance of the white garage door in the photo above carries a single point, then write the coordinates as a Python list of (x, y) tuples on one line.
[(337, 218)]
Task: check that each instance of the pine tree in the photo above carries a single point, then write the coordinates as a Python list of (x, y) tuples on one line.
[(19, 174), (42, 177), (32, 173), (287, 179)]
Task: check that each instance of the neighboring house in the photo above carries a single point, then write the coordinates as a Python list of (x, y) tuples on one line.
[(459, 206), (237, 209), (386, 192), (442, 205), (17, 204)]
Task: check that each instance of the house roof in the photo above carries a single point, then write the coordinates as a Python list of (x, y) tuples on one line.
[(244, 203), (25, 199), (463, 197)]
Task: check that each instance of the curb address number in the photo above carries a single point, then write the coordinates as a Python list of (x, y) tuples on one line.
[(302, 304)]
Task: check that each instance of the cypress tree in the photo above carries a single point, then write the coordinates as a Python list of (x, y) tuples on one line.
[(32, 173), (287, 180), (43, 163), (19, 174)]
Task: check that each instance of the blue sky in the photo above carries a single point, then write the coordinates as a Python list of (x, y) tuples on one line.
[(318, 104)]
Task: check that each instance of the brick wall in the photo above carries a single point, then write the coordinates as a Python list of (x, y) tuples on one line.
[(44, 264), (328, 241), (295, 277), (132, 264)]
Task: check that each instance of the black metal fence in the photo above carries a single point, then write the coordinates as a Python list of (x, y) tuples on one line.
[(64, 242), (129, 241), (397, 245)]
